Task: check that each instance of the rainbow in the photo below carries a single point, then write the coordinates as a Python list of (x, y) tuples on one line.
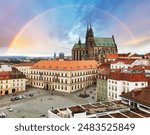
[(124, 26)]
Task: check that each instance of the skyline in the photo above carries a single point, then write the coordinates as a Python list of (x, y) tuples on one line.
[(40, 28)]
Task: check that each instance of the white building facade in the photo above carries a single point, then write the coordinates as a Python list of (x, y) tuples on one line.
[(24, 68), (119, 83)]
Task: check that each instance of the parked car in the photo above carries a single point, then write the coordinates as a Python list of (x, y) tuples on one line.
[(10, 110), (13, 99), (23, 96), (16, 98), (20, 97), (2, 115)]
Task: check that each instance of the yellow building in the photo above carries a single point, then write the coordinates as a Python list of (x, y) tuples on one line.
[(65, 76), (12, 81)]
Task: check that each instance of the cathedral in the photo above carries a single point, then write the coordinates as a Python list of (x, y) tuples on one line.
[(94, 48)]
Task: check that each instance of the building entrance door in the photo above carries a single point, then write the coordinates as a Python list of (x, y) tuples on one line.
[(6, 92), (46, 87), (13, 90)]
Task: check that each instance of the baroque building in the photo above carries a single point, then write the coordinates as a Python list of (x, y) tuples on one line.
[(94, 48), (65, 76), (11, 80)]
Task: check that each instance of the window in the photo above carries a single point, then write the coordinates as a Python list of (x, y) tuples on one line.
[(136, 84), (142, 84), (112, 95)]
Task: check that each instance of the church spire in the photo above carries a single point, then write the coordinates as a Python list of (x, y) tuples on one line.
[(79, 42), (90, 24), (87, 26)]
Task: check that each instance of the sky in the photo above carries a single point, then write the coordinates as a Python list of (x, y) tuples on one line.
[(42, 27)]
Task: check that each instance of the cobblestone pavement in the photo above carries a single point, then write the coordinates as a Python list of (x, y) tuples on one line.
[(42, 101), (21, 114)]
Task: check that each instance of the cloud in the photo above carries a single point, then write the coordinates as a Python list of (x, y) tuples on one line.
[(63, 28), (138, 41)]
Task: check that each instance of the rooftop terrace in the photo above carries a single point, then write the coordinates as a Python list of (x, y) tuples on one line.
[(114, 109)]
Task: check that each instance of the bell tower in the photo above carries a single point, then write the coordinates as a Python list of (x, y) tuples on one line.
[(89, 37), (89, 42)]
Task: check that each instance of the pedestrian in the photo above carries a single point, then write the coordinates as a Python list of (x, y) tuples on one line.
[(41, 99)]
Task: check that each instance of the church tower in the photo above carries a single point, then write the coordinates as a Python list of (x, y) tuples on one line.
[(94, 48), (90, 43)]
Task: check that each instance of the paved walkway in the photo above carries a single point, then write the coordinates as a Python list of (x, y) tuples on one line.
[(45, 100), (21, 114)]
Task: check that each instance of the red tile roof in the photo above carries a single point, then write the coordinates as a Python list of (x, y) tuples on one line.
[(104, 65), (14, 74), (66, 65), (135, 55), (5, 75), (111, 56), (125, 61), (140, 67), (131, 77), (124, 55), (148, 54), (24, 64), (141, 95), (104, 71)]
